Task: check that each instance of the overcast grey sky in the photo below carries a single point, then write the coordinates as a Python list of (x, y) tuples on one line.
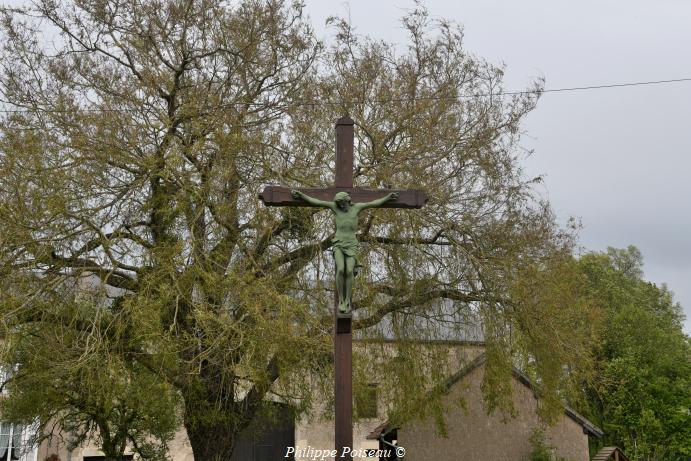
[(618, 159)]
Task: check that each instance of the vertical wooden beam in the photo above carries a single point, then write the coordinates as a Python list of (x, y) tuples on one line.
[(344, 152), (343, 336), (343, 363)]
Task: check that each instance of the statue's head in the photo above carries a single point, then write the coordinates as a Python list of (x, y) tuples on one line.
[(342, 198)]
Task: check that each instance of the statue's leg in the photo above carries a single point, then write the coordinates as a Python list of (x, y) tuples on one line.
[(349, 277), (339, 258)]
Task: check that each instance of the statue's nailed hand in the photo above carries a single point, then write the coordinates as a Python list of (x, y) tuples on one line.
[(393, 196), (296, 193)]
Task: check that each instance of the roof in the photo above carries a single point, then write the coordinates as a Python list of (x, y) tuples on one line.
[(588, 427), (378, 431), (610, 453)]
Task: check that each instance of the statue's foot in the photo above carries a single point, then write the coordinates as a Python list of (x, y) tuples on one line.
[(343, 307)]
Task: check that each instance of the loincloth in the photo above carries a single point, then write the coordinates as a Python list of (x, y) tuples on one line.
[(350, 248)]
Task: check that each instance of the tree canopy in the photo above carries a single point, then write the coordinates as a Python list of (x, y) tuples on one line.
[(135, 138), (640, 391)]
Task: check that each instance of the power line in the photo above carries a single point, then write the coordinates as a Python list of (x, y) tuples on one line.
[(616, 85), (390, 100)]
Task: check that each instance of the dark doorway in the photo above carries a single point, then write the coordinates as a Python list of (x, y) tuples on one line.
[(388, 442), (103, 458), (268, 438)]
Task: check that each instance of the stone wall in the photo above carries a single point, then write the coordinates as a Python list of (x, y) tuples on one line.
[(473, 435)]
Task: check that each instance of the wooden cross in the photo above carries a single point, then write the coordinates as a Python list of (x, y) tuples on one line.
[(343, 337)]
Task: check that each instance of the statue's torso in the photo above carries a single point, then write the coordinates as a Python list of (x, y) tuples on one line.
[(346, 223)]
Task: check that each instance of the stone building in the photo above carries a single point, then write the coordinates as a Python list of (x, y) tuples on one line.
[(475, 435), (472, 434)]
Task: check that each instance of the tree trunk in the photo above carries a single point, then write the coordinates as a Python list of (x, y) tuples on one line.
[(211, 442)]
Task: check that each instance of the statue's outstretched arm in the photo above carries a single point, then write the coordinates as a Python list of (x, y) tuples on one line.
[(379, 202), (311, 200)]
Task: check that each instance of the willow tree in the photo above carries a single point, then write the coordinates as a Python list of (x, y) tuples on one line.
[(135, 139)]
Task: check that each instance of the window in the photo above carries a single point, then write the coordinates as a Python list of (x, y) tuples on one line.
[(10, 439), (366, 402), (16, 440)]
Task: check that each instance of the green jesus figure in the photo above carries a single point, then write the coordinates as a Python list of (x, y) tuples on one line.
[(345, 243)]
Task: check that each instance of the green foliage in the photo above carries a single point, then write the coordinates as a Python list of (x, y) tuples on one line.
[(640, 394), (551, 297), (540, 451), (72, 372), (142, 135)]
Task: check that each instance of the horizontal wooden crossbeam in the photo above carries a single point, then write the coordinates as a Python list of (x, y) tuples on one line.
[(281, 196)]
